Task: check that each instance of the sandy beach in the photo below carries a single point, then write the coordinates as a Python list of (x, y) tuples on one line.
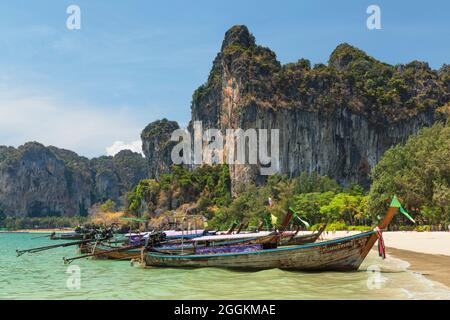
[(422, 242), (433, 266), (428, 253)]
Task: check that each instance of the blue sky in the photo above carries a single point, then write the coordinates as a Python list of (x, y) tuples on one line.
[(134, 61)]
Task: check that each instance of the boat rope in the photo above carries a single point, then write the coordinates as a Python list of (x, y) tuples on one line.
[(381, 246)]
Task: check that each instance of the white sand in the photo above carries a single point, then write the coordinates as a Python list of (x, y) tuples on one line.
[(424, 242)]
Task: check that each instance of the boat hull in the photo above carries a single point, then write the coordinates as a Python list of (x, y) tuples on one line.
[(68, 236), (343, 254), (104, 252)]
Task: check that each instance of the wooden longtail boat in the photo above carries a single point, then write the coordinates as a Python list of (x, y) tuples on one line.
[(216, 241), (110, 250), (84, 233), (343, 254), (266, 238), (126, 251), (115, 252), (69, 236), (84, 248), (121, 249)]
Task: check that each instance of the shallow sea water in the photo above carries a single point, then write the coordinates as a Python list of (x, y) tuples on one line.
[(44, 276)]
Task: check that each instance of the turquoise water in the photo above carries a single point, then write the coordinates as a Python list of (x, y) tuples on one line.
[(43, 276)]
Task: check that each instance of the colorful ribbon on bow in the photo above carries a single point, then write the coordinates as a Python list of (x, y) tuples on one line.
[(381, 246)]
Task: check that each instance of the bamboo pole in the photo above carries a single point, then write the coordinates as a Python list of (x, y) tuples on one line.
[(66, 244)]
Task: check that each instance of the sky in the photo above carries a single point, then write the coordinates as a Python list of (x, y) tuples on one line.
[(94, 89)]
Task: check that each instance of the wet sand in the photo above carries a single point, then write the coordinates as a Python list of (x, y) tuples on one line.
[(435, 267), (428, 253)]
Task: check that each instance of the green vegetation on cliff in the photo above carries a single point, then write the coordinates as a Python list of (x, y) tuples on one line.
[(202, 187), (351, 80), (206, 190), (418, 173), (317, 199)]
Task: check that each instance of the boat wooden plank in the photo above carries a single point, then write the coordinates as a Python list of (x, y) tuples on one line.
[(341, 254)]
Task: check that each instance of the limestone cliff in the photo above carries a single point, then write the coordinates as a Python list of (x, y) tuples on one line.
[(40, 181), (335, 119), (157, 146)]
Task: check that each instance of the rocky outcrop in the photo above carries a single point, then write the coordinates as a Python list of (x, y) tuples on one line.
[(35, 181), (157, 146), (43, 181), (336, 119), (114, 176)]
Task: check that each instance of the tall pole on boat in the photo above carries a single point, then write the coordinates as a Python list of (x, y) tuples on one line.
[(182, 234)]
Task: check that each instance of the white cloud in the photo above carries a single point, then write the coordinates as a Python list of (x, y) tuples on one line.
[(29, 115), (135, 146)]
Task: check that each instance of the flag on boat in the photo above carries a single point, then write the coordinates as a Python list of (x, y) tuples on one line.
[(273, 219), (396, 204), (300, 219)]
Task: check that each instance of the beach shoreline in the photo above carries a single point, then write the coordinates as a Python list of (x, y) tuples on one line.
[(434, 267), (427, 253)]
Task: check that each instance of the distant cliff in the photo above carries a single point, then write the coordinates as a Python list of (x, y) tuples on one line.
[(335, 119), (39, 181), (157, 146)]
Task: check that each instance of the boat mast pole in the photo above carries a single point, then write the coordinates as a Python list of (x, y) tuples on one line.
[(182, 235)]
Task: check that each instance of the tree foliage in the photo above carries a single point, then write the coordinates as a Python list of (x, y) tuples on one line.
[(206, 186), (419, 174)]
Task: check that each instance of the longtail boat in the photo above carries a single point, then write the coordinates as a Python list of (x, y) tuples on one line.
[(83, 233), (343, 254), (135, 243), (193, 245), (69, 236), (265, 238), (128, 251), (131, 247), (125, 249), (107, 251)]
